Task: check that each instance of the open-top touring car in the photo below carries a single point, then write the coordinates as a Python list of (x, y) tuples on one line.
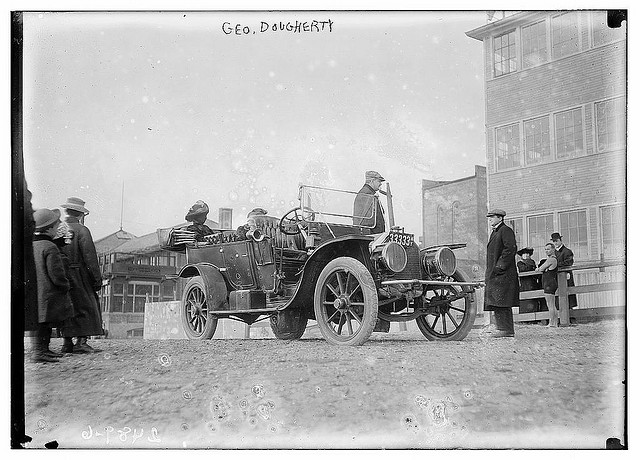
[(320, 262)]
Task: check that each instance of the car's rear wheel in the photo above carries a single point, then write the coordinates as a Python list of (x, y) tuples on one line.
[(198, 323), (452, 311), (346, 302), (288, 324)]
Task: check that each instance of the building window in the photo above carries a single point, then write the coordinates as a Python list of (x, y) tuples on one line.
[(225, 216), (564, 35), (118, 297), (168, 290), (516, 226), (508, 146), (444, 230), (602, 33), (137, 293), (504, 54), (573, 228), (569, 133), (612, 223), (536, 140), (540, 230), (534, 44), (105, 294), (610, 124)]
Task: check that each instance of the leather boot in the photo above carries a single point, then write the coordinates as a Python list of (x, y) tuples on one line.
[(81, 346), (39, 354), (46, 341), (67, 345)]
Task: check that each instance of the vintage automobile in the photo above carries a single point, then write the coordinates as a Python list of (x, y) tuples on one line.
[(321, 262)]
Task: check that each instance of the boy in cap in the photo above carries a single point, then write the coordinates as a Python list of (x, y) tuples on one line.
[(86, 280), (54, 304), (502, 291), (367, 211)]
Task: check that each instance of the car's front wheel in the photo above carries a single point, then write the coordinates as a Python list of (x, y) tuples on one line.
[(451, 311), (345, 302), (197, 322)]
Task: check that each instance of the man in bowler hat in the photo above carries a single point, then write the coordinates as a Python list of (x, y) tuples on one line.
[(564, 255), (502, 291), (86, 281), (366, 207)]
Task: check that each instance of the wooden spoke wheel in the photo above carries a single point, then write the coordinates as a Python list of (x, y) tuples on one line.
[(346, 302), (198, 323), (452, 311)]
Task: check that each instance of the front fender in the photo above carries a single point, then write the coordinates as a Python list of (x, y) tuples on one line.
[(215, 285), (356, 246)]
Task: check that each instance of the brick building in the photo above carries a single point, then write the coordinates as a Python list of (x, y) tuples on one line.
[(555, 113), (455, 212)]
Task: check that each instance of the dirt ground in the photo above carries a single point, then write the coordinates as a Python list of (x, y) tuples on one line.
[(546, 388)]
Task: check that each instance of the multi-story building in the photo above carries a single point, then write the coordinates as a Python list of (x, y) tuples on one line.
[(555, 113), (455, 212)]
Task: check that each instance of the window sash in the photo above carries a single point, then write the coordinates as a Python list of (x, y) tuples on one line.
[(610, 124), (612, 224), (516, 225), (537, 140), (602, 34), (508, 146), (539, 230), (564, 35), (504, 53), (569, 133), (534, 44), (573, 228)]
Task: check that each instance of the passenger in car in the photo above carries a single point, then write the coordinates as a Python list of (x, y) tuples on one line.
[(363, 205), (198, 215)]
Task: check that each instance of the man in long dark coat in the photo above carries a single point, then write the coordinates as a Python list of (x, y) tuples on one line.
[(85, 279), (565, 259), (502, 291), (366, 207)]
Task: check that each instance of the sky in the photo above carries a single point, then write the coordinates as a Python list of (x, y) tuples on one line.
[(171, 108)]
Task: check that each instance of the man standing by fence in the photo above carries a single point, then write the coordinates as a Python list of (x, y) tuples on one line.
[(502, 291), (565, 260)]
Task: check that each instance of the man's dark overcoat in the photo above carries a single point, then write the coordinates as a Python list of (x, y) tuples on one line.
[(502, 287), (54, 304), (363, 207), (565, 259), (85, 280)]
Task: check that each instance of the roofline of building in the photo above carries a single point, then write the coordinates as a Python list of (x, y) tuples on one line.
[(447, 182), (503, 24)]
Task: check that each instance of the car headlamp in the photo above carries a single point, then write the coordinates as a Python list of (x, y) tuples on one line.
[(440, 262), (394, 257)]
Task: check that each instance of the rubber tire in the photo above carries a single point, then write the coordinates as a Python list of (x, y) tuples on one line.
[(370, 295), (297, 322), (467, 321), (211, 322)]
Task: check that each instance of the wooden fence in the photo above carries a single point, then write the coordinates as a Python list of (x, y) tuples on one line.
[(565, 291)]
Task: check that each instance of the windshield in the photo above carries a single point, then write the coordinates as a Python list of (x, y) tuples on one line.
[(338, 206)]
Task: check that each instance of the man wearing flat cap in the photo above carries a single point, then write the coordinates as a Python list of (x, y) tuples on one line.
[(197, 215), (86, 281), (367, 211), (502, 291)]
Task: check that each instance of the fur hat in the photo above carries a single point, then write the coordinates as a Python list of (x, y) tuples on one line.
[(199, 208)]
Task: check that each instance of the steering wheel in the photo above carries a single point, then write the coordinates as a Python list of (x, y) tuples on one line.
[(291, 221)]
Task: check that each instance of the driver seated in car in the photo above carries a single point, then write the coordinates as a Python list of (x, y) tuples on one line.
[(367, 211)]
